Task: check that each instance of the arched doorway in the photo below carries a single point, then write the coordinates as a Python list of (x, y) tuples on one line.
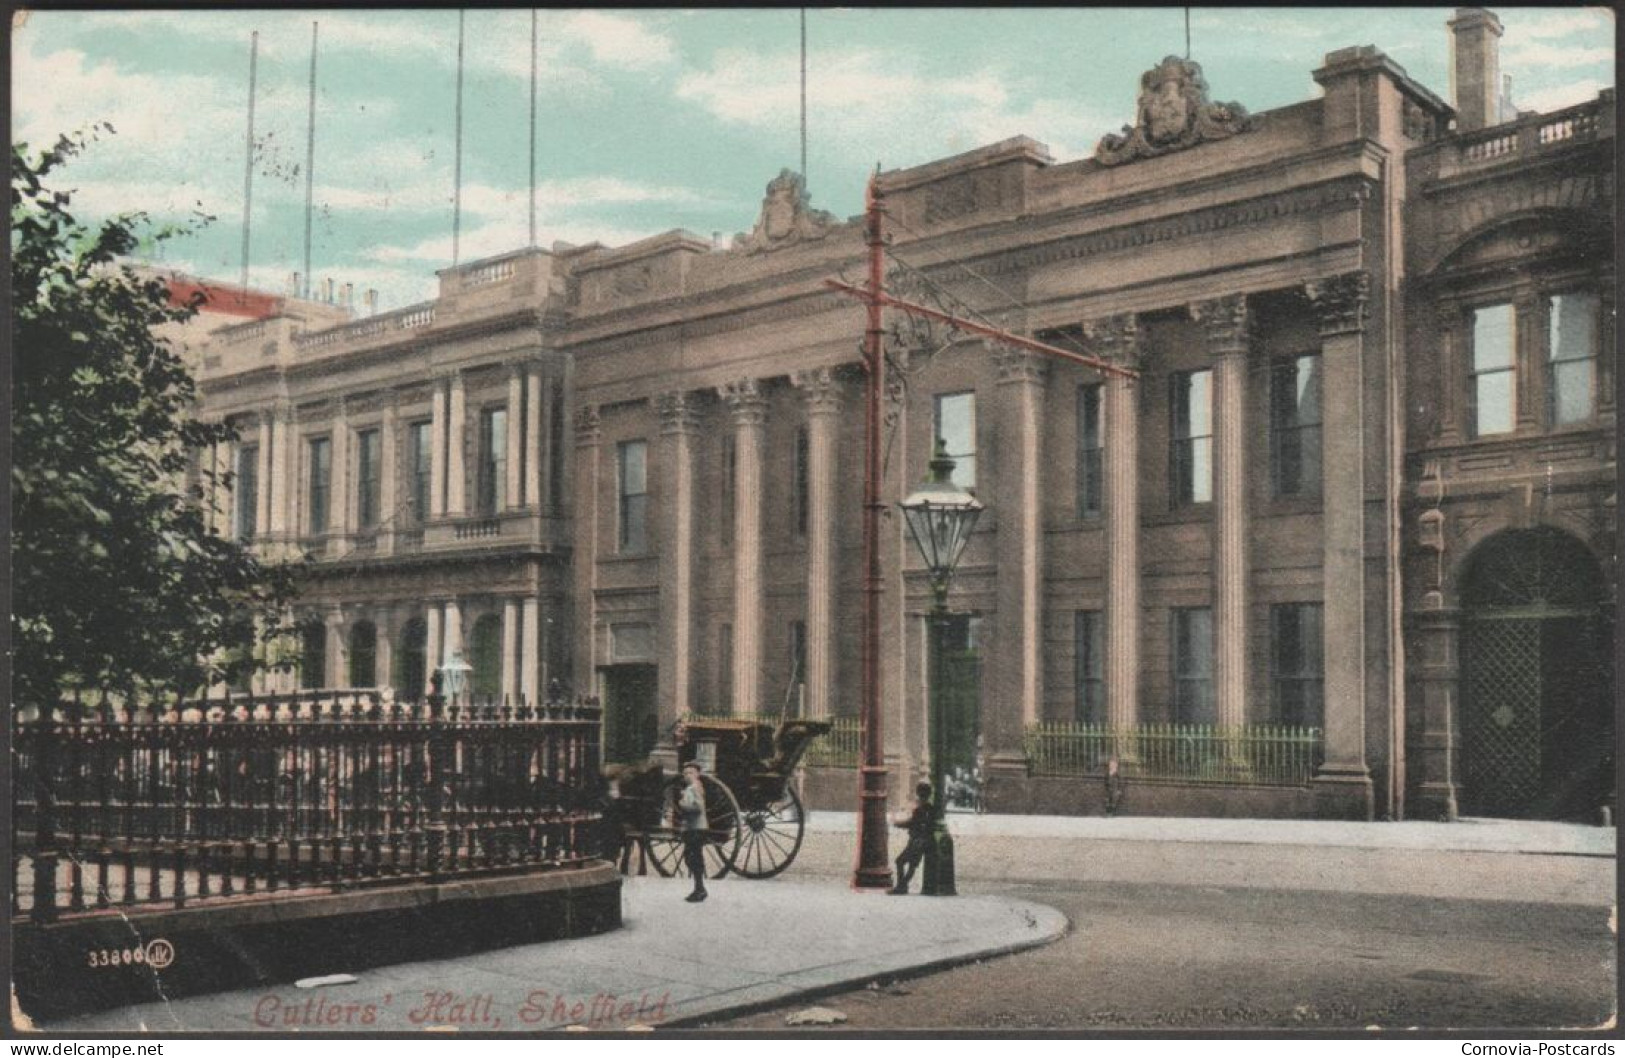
[(486, 680), (411, 659), (1536, 713), (363, 654)]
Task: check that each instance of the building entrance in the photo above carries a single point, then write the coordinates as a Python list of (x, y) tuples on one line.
[(1536, 722), (962, 709), (631, 724)]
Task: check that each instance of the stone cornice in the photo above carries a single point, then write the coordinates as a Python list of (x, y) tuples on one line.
[(1114, 338), (1340, 302), (589, 425), (679, 412), (745, 401), (1224, 322), (821, 390), (1019, 366)]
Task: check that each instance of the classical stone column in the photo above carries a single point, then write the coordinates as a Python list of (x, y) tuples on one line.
[(1224, 321), (1340, 302), (1116, 338), (515, 434), (452, 632), (823, 400), (679, 421), (510, 649), (749, 410), (533, 438), (262, 470), (437, 451), (588, 434), (386, 622), (529, 659), (338, 503), (1017, 485), (336, 674), (456, 450), (433, 645)]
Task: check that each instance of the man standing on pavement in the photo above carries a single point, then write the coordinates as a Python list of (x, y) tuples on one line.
[(691, 817), (919, 824)]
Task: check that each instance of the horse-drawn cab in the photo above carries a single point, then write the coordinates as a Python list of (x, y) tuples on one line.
[(754, 815)]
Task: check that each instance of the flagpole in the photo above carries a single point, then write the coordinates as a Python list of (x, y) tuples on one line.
[(248, 159), (533, 126), (457, 170), (310, 155)]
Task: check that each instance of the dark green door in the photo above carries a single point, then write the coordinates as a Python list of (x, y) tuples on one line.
[(631, 725), (1536, 703), (962, 710)]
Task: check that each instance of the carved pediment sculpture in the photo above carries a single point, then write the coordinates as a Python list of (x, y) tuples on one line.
[(1173, 113), (786, 217)]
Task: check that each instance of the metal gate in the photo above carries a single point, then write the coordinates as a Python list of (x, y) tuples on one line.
[(1501, 721)]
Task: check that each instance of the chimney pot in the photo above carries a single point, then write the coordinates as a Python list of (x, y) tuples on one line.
[(1475, 67)]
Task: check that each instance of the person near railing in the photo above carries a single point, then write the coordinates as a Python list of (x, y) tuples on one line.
[(919, 824)]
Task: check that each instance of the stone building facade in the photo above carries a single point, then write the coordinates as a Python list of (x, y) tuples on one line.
[(1373, 340)]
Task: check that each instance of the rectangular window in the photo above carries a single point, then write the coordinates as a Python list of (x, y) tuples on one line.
[(493, 461), (1493, 376), (1295, 426), (419, 446), (632, 461), (1193, 666), (1091, 465), (369, 463), (725, 669), (799, 513), (1571, 363), (798, 663), (1297, 662), (1191, 438), (1089, 680), (248, 491), (320, 452), (956, 428), (726, 479)]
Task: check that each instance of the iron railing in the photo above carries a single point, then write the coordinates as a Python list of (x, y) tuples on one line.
[(119, 805), (840, 748), (1252, 754)]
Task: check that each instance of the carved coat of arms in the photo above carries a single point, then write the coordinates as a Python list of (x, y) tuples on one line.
[(786, 217), (1174, 113)]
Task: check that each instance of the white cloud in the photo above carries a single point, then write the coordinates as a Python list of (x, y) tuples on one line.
[(1597, 22), (1559, 96), (873, 107), (1542, 55), (485, 200), (501, 236)]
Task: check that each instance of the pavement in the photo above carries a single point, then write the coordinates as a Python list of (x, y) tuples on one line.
[(1532, 837), (755, 945), (752, 944)]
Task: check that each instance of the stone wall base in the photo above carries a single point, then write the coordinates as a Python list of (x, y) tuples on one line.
[(83, 963)]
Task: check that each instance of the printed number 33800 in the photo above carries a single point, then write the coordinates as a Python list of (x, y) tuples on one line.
[(116, 956)]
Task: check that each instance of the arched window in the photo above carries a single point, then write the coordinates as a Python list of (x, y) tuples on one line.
[(312, 655), (363, 654), (486, 649), (411, 659)]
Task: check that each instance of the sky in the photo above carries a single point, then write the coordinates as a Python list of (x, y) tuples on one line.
[(646, 120)]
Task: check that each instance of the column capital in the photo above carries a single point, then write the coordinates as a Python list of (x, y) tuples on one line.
[(1225, 323), (1114, 337), (1340, 301), (679, 412), (745, 400), (820, 389), (588, 425), (1019, 366)]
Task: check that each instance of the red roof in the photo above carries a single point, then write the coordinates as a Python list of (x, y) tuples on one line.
[(224, 300)]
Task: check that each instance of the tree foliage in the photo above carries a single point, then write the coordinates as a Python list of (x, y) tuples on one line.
[(118, 581)]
